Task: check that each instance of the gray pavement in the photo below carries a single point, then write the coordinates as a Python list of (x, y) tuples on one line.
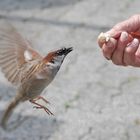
[(92, 99)]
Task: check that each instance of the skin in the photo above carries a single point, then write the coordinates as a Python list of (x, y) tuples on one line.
[(123, 48)]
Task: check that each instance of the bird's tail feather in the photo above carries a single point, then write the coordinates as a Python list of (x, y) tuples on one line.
[(9, 111)]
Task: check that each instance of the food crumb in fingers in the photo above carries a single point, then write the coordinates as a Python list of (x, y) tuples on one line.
[(104, 37)]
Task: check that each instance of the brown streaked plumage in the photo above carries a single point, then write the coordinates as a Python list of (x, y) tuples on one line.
[(25, 68)]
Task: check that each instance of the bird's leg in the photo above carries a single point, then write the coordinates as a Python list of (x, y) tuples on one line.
[(39, 106), (40, 97)]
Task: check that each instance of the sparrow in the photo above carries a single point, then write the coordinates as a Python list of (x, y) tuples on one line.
[(27, 69)]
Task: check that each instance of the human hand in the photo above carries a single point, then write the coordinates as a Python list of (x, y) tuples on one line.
[(123, 45)]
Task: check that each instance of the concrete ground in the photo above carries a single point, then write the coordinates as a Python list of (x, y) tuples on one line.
[(92, 99)]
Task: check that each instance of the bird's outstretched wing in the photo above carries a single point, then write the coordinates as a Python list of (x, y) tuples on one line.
[(16, 53)]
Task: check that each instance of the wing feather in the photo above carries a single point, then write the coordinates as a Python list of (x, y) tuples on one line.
[(13, 61)]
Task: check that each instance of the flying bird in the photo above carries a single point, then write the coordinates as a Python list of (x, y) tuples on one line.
[(27, 69)]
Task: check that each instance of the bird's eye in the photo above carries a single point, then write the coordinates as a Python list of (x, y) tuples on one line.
[(61, 52)]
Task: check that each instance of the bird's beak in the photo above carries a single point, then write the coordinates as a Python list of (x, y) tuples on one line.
[(68, 50), (64, 51)]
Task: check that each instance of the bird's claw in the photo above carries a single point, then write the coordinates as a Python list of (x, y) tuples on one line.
[(45, 108), (37, 107)]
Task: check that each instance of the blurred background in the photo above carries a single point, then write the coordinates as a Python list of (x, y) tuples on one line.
[(92, 99)]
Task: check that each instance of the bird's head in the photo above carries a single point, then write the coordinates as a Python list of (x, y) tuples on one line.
[(55, 58)]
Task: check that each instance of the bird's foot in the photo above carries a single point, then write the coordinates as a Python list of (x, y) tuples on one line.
[(39, 106), (45, 108), (40, 97)]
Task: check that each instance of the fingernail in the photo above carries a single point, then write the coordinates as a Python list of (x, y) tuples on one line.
[(134, 43), (111, 43), (124, 36), (113, 33)]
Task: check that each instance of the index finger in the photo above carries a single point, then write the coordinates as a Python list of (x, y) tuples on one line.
[(130, 25)]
